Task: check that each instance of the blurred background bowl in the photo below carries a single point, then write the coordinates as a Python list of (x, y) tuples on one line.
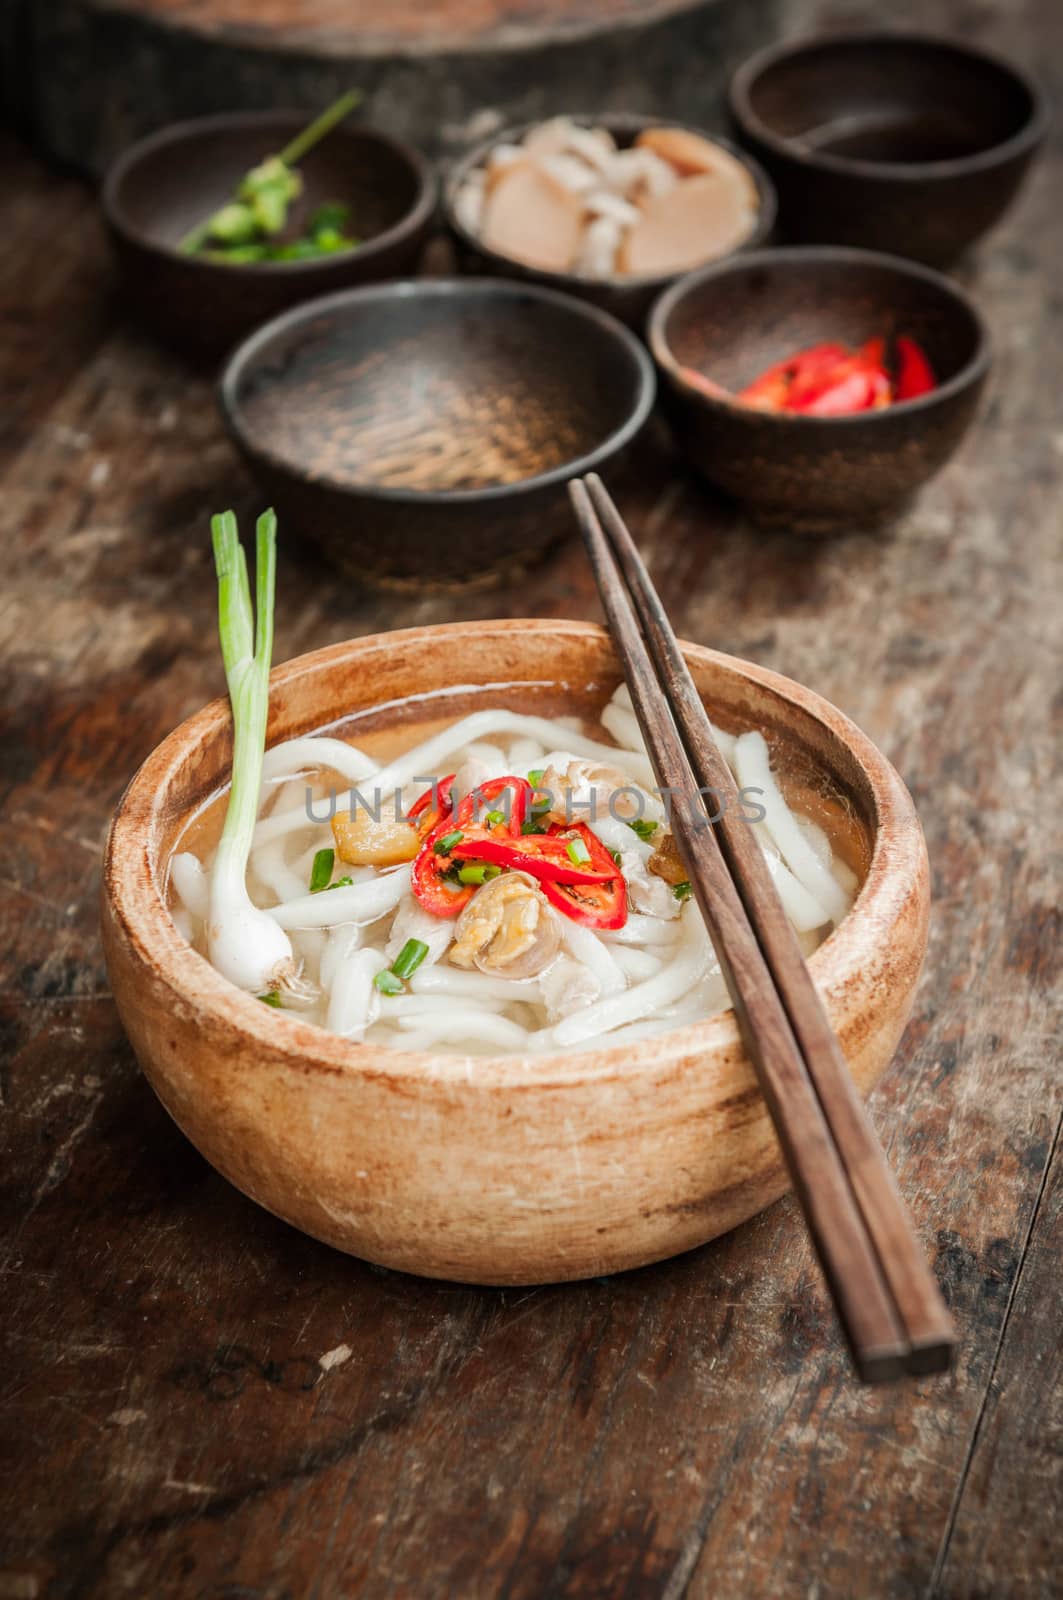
[(624, 296), (892, 141), (422, 433), (732, 320), (161, 188)]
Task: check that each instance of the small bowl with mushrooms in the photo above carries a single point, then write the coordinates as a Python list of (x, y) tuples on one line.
[(610, 208)]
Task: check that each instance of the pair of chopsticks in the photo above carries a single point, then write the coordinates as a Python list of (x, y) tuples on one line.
[(887, 1301)]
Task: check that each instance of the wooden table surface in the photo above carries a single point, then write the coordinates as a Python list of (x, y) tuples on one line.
[(197, 1401)]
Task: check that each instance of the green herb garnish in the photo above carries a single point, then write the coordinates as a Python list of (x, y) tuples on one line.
[(536, 776), (244, 228), (321, 871), (409, 958), (444, 846), (477, 872), (271, 999), (682, 891), (645, 830), (386, 982)]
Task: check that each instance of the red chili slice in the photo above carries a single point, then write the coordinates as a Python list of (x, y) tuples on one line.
[(428, 877), (483, 799), (430, 807), (595, 905), (915, 375), (542, 855)]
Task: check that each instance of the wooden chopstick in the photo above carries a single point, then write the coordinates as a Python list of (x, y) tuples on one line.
[(886, 1298)]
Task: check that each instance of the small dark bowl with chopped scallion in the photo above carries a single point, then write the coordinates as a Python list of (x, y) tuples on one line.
[(366, 207)]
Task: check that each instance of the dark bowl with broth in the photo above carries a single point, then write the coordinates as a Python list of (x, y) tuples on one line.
[(422, 433), (161, 188), (900, 142)]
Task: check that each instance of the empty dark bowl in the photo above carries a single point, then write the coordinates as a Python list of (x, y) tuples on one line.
[(422, 433), (892, 141), (161, 188), (732, 320), (623, 296)]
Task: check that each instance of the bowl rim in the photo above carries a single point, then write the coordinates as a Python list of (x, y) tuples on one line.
[(132, 897), (613, 120), (972, 372), (740, 88), (247, 352), (417, 216)]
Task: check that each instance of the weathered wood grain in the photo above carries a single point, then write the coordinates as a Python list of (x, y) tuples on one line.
[(197, 1402)]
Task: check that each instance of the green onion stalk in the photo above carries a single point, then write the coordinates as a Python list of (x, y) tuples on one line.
[(245, 944)]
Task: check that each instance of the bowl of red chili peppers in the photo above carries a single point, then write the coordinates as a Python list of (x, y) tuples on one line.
[(820, 386)]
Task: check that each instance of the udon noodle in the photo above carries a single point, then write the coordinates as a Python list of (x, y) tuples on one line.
[(416, 930)]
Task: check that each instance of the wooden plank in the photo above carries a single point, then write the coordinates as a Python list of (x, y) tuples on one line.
[(1000, 1538)]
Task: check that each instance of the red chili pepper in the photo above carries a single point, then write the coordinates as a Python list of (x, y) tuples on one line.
[(481, 800), (543, 855), (595, 905), (437, 892), (790, 381), (853, 389), (430, 807), (915, 375)]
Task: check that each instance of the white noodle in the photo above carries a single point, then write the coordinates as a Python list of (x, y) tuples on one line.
[(362, 902), (452, 981), (314, 752), (191, 884), (691, 960), (754, 772), (588, 949), (351, 1002)]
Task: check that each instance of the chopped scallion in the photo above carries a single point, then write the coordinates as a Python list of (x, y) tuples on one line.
[(478, 872), (495, 819), (577, 852), (617, 857), (644, 829), (321, 871), (271, 999), (682, 891), (409, 958), (536, 776), (386, 982), (532, 827), (444, 846)]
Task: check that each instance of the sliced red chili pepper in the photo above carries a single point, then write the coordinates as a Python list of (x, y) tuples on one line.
[(428, 875), (544, 856), (915, 375), (430, 807), (853, 390), (434, 889), (777, 388), (486, 797), (595, 905)]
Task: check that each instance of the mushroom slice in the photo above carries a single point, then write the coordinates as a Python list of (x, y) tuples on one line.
[(690, 155), (530, 217), (367, 840), (666, 861), (700, 218), (508, 928)]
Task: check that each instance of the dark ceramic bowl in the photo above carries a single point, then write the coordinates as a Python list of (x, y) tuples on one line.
[(626, 297), (161, 188), (891, 141), (422, 433), (732, 320)]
